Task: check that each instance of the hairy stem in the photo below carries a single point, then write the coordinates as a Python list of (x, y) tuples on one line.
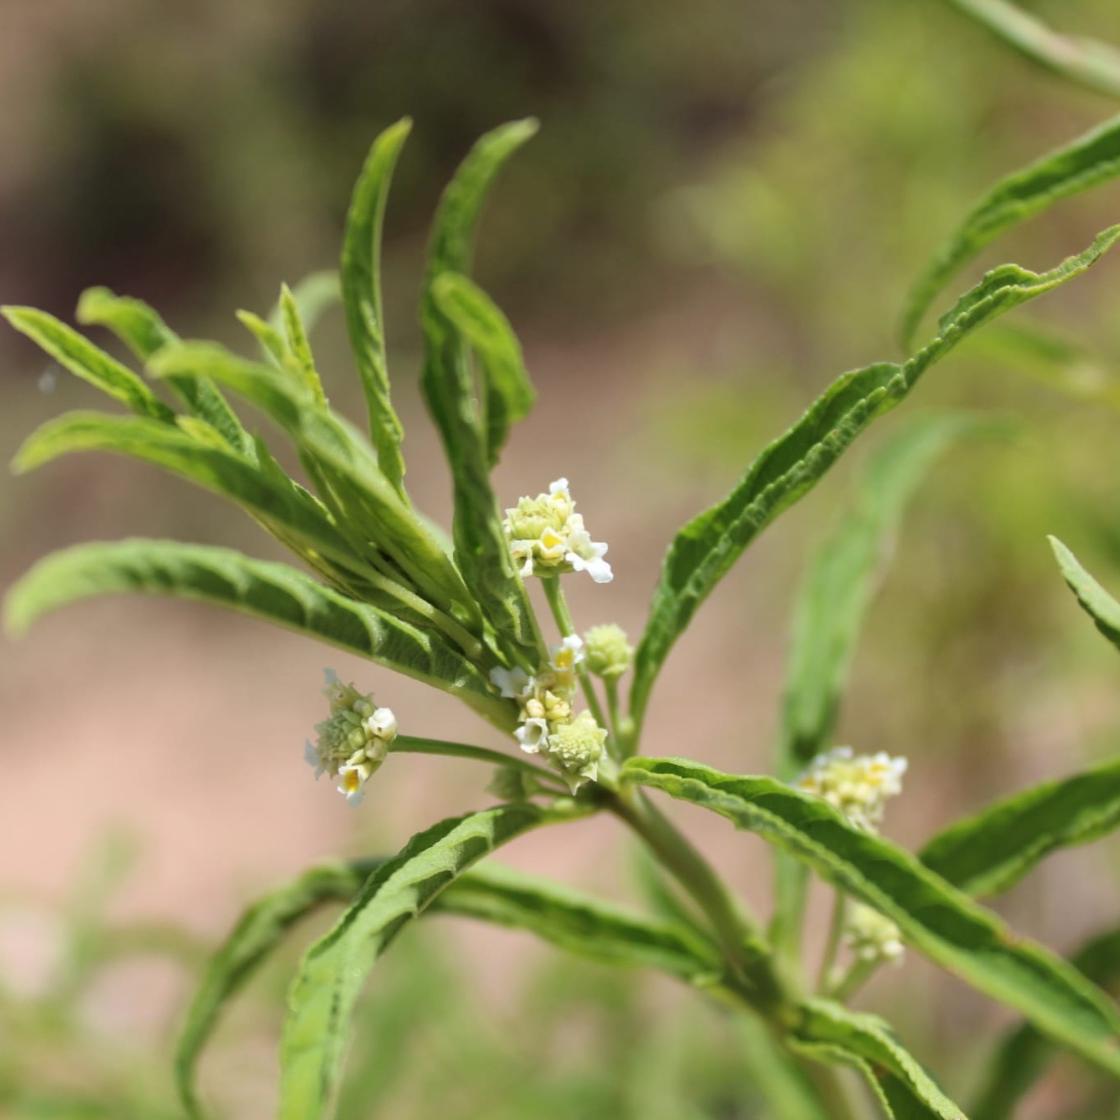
[(411, 744)]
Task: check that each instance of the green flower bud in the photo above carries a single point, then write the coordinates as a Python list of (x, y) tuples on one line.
[(608, 652), (576, 748)]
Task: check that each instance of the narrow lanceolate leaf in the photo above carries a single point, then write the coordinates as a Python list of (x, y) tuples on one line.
[(828, 1031), (841, 580), (1088, 62), (509, 393), (1097, 603), (314, 295), (706, 548), (364, 503), (142, 330), (273, 592), (361, 293), (84, 360), (935, 917), (299, 345), (1024, 1054), (994, 849), (1089, 160), (449, 390), (330, 978), (258, 932), (269, 495)]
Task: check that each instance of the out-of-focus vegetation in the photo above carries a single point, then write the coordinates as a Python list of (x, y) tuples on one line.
[(730, 204)]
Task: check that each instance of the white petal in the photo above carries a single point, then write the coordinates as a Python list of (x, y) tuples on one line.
[(559, 486)]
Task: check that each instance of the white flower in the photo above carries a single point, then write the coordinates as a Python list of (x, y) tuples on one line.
[(857, 785), (532, 735), (513, 683), (354, 740), (546, 536), (353, 777), (383, 724)]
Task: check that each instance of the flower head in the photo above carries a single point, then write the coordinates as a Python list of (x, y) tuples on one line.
[(354, 740), (546, 536), (576, 748), (856, 784), (609, 653), (872, 937)]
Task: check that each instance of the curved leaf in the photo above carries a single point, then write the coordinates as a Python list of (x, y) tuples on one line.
[(142, 330), (84, 360), (1088, 62), (313, 295), (1023, 1054), (840, 582), (481, 550), (992, 850), (361, 293), (1092, 158), (273, 592), (706, 548), (934, 916), (323, 994), (830, 1032), (299, 345), (1097, 603), (509, 393)]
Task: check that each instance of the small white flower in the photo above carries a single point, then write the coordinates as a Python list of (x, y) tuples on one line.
[(546, 536), (532, 735), (352, 778), (512, 684), (383, 724), (858, 785), (568, 655)]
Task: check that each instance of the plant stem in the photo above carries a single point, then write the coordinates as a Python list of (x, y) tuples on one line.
[(859, 972), (832, 945), (554, 593), (411, 744)]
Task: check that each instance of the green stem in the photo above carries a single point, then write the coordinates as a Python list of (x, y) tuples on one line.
[(411, 744), (554, 593), (736, 932), (832, 1090), (832, 945), (859, 972), (610, 686)]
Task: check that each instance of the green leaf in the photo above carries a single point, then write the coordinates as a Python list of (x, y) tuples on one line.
[(1101, 607), (273, 592), (322, 996), (361, 293), (314, 295), (830, 1032), (934, 916), (365, 504), (299, 346), (706, 548), (1088, 62), (1023, 1055), (1090, 159), (481, 549), (86, 361), (141, 329), (256, 934), (992, 850), (269, 339), (509, 392), (841, 580)]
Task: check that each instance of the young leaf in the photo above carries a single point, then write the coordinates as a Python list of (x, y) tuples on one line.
[(1101, 607), (509, 392), (361, 293), (480, 546), (706, 548), (313, 295), (840, 582), (323, 994), (86, 361), (254, 937), (299, 346), (145, 334), (934, 916), (1088, 62), (1090, 159), (1023, 1055), (828, 1030), (991, 851), (273, 592), (363, 501)]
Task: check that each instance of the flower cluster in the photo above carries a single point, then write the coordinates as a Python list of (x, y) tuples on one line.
[(609, 652), (353, 741), (871, 937), (856, 784), (573, 743), (546, 537)]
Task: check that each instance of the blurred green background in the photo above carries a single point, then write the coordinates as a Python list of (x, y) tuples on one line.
[(724, 209)]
